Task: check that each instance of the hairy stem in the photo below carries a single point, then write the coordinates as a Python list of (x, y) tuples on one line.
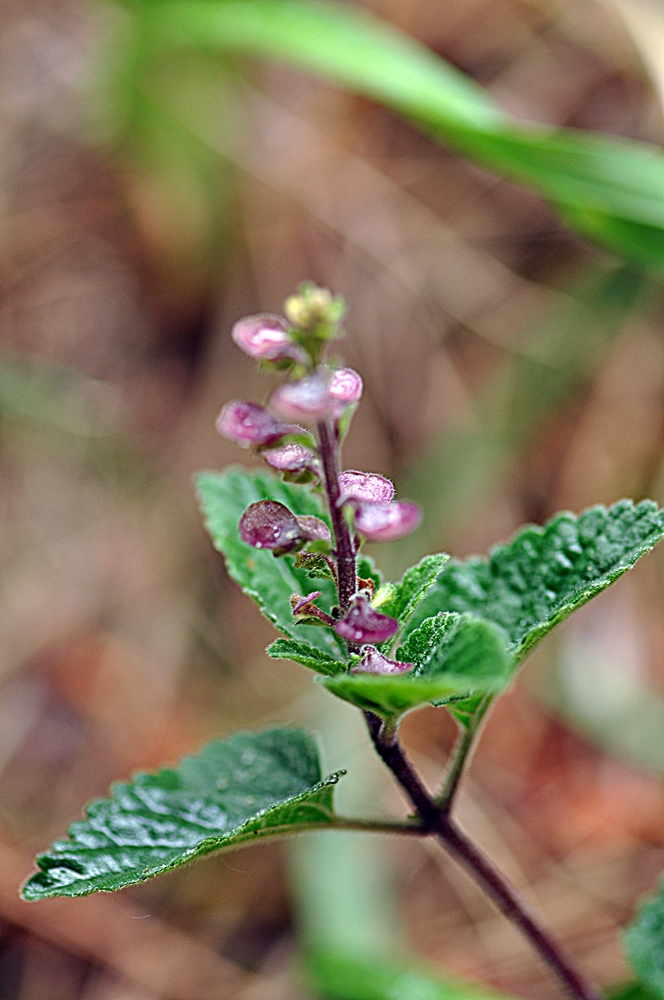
[(505, 897), (347, 577), (461, 755)]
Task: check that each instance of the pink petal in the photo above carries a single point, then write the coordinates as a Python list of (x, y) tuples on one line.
[(373, 662), (269, 525), (368, 487), (307, 400), (362, 623), (386, 522), (249, 424), (290, 458), (263, 336)]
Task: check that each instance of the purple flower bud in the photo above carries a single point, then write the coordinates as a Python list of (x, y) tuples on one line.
[(298, 603), (264, 336), (345, 386), (249, 424), (269, 525), (365, 487), (313, 528), (362, 623), (373, 662), (290, 458), (307, 400), (386, 522)]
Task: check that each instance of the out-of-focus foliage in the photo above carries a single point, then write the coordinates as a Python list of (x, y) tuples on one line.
[(610, 190)]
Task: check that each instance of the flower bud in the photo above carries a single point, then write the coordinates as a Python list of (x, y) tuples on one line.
[(249, 424), (270, 525), (314, 529), (345, 386), (365, 487), (264, 336), (386, 522), (307, 400), (362, 623), (373, 662), (290, 458)]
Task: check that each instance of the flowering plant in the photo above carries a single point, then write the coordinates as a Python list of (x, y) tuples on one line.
[(449, 633)]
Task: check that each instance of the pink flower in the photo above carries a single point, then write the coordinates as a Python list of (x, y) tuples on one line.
[(264, 337), (373, 662), (386, 522), (366, 487), (249, 424), (362, 623), (306, 400), (313, 528)]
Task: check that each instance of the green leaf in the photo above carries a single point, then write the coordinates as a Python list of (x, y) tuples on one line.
[(609, 189), (413, 587), (471, 657), (423, 641), (366, 570), (644, 940), (308, 656), (236, 791), (224, 496), (341, 975), (631, 991), (543, 574)]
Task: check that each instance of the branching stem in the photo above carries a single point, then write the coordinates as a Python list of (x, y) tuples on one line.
[(505, 897)]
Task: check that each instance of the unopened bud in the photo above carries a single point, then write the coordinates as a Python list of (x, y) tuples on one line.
[(345, 386), (268, 524), (264, 337), (373, 662), (362, 623), (249, 424), (387, 522), (367, 487), (306, 400)]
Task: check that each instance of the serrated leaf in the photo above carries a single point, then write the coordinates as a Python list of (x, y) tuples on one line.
[(235, 791), (644, 940), (308, 656), (470, 658), (224, 496), (413, 587), (543, 574)]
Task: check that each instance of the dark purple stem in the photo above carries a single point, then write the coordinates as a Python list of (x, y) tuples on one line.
[(347, 577), (478, 867)]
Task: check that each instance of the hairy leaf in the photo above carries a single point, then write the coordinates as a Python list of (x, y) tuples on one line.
[(236, 791), (543, 574), (270, 582), (308, 656), (423, 641), (471, 657), (413, 587)]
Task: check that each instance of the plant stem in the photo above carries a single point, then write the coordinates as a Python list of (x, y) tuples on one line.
[(505, 897), (379, 826), (460, 757), (347, 577)]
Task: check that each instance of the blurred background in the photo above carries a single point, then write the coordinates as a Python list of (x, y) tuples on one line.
[(510, 368)]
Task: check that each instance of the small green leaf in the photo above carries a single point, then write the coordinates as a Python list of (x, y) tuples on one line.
[(414, 586), (644, 940), (366, 570), (471, 657), (535, 581), (308, 656), (236, 791), (270, 582)]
